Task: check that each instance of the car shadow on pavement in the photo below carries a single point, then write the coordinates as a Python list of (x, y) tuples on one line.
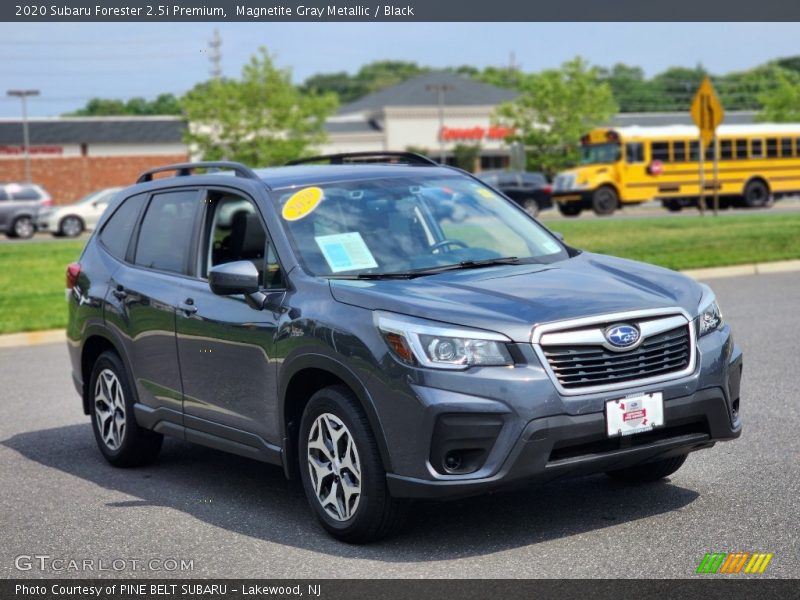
[(254, 499)]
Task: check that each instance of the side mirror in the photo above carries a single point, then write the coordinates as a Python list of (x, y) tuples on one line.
[(238, 277), (558, 234)]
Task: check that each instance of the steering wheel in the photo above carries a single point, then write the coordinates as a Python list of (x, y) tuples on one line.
[(444, 243)]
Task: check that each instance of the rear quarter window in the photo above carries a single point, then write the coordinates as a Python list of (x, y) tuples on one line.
[(116, 233)]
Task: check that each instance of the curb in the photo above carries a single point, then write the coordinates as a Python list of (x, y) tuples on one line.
[(53, 336)]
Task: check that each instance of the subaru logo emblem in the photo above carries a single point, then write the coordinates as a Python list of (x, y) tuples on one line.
[(622, 335)]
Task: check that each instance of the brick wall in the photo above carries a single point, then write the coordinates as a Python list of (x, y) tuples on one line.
[(69, 178)]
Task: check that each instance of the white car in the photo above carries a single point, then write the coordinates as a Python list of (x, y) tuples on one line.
[(71, 220)]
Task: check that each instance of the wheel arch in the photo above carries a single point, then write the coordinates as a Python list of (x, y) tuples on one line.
[(758, 178), (67, 216), (97, 342), (303, 377)]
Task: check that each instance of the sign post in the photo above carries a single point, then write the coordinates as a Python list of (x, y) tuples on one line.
[(707, 113)]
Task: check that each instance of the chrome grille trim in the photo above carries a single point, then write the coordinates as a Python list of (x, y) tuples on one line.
[(672, 329)]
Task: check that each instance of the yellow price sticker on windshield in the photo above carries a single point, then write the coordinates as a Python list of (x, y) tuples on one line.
[(486, 193), (302, 203)]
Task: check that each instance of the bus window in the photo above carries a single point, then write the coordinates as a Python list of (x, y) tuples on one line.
[(659, 151), (756, 150), (772, 148), (634, 152), (741, 149), (710, 151), (786, 147), (797, 146), (694, 153), (725, 149), (679, 151)]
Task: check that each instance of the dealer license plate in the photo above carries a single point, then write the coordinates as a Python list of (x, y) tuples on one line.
[(634, 414)]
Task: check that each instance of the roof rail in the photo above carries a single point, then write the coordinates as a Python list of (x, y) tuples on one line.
[(185, 169), (405, 158)]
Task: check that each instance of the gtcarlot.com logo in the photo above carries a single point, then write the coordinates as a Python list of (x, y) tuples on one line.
[(735, 562), (45, 562)]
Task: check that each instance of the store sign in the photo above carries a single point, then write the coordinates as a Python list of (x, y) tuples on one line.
[(474, 134), (14, 150)]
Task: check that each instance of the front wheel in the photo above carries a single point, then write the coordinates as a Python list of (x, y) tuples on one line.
[(649, 472), (756, 195), (120, 439), (341, 469), (70, 226), (605, 201)]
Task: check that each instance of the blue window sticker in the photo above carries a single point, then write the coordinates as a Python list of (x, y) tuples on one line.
[(345, 251)]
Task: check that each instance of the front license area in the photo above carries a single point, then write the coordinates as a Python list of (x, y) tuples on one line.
[(634, 414)]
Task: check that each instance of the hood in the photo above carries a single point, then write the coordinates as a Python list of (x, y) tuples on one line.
[(512, 299)]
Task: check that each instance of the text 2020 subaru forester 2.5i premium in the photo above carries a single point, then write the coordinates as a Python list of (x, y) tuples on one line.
[(333, 319)]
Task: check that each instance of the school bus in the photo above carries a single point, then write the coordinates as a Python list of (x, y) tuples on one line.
[(630, 165)]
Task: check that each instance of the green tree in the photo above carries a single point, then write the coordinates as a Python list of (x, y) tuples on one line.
[(465, 156), (506, 77), (371, 77), (554, 109), (260, 119), (631, 91), (164, 104), (782, 102)]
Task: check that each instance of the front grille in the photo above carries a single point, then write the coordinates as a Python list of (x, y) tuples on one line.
[(564, 182), (589, 365)]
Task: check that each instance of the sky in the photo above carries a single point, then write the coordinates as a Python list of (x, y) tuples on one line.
[(73, 62)]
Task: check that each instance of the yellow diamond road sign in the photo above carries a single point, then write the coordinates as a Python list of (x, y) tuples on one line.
[(706, 111)]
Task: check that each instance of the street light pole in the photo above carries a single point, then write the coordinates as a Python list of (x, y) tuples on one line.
[(440, 89), (23, 95)]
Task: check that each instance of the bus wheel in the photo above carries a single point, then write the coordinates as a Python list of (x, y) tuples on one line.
[(673, 205), (570, 209), (604, 201), (756, 195)]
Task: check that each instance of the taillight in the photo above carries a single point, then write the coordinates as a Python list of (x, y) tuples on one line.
[(46, 202), (548, 189), (73, 271)]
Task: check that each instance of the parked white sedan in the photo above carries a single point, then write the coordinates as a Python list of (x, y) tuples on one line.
[(72, 219)]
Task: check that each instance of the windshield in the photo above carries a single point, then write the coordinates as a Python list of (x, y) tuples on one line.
[(98, 196), (600, 153), (401, 225)]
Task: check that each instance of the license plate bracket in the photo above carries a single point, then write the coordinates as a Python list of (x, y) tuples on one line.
[(636, 413)]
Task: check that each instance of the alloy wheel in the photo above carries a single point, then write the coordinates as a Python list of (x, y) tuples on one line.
[(109, 409), (23, 227), (71, 227), (334, 466)]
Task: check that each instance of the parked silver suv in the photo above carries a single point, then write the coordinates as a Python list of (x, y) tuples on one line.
[(20, 203)]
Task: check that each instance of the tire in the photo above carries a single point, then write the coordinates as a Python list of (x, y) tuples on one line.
[(23, 228), (605, 201), (373, 513), (756, 195), (569, 209), (673, 205), (531, 207), (120, 439), (649, 472), (71, 226)]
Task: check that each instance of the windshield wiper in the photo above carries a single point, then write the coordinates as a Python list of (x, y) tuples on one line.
[(464, 264)]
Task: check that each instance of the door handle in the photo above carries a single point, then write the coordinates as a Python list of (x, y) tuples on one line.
[(188, 306), (120, 293)]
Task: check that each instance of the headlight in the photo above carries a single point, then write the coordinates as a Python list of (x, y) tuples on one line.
[(425, 343), (710, 316)]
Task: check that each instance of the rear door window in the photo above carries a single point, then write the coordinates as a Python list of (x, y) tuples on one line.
[(165, 238), (25, 192)]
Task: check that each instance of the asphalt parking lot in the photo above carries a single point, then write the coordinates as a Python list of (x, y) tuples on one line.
[(237, 518)]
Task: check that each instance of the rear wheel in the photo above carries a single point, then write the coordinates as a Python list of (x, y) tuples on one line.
[(605, 201), (341, 469), (23, 227), (648, 472), (673, 205), (570, 209), (756, 195), (531, 207), (120, 439), (70, 226)]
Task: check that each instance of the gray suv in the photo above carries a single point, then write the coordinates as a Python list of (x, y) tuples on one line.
[(20, 204), (328, 319)]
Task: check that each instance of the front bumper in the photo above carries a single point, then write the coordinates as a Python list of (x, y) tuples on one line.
[(565, 196), (552, 447)]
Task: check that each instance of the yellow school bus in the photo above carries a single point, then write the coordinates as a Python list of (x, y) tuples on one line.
[(629, 165)]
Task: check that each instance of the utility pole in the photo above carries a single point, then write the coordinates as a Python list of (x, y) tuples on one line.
[(23, 95), (440, 89), (215, 56)]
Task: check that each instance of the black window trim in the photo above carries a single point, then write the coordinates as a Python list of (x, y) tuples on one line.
[(134, 233)]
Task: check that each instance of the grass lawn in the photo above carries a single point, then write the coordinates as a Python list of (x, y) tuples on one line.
[(32, 280), (32, 273)]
